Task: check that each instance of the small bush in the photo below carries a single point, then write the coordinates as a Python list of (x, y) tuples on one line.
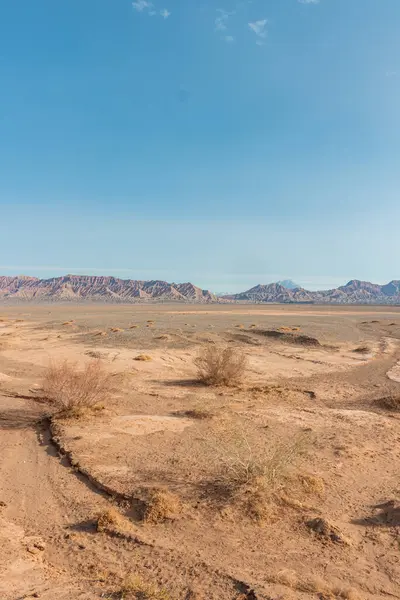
[(110, 520), (163, 505), (74, 391), (220, 366), (243, 457), (134, 588)]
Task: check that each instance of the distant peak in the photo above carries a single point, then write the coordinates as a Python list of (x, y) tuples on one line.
[(289, 284)]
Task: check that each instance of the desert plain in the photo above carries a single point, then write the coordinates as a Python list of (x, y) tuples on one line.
[(282, 486)]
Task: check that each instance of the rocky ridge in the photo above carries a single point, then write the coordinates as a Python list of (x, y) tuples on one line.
[(112, 289), (354, 292), (92, 288)]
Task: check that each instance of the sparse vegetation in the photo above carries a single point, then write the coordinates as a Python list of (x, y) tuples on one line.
[(162, 505), (249, 467), (220, 365), (142, 357), (73, 391), (390, 402), (135, 588), (110, 520), (312, 484)]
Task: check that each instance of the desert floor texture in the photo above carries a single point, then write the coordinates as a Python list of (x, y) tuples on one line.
[(139, 498)]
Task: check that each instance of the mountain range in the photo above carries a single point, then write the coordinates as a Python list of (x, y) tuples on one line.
[(106, 289), (354, 292), (113, 289)]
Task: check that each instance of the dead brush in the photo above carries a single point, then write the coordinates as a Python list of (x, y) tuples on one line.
[(111, 520), (72, 391), (162, 506), (249, 467), (135, 588), (218, 365)]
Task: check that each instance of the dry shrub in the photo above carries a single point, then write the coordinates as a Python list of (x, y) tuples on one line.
[(162, 506), (143, 357), (249, 467), (390, 402), (111, 520), (312, 484), (135, 588), (247, 462), (74, 391), (116, 329), (220, 365)]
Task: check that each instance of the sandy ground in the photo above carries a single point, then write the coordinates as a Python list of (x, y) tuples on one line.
[(147, 439)]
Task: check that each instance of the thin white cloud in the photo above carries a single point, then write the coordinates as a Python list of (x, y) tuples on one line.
[(144, 6), (229, 39), (222, 19), (259, 27), (141, 5), (308, 1)]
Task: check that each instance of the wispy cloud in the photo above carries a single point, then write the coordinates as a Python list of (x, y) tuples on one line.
[(259, 27), (308, 1), (143, 6), (229, 39), (222, 19)]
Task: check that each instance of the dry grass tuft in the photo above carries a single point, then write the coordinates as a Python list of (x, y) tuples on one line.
[(115, 329), (162, 506), (143, 357), (74, 391), (135, 588), (390, 402), (220, 365), (110, 520), (312, 484)]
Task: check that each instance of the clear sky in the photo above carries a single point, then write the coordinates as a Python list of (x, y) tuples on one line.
[(227, 143)]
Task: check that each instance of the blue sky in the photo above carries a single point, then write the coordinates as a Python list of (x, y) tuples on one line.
[(229, 143)]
